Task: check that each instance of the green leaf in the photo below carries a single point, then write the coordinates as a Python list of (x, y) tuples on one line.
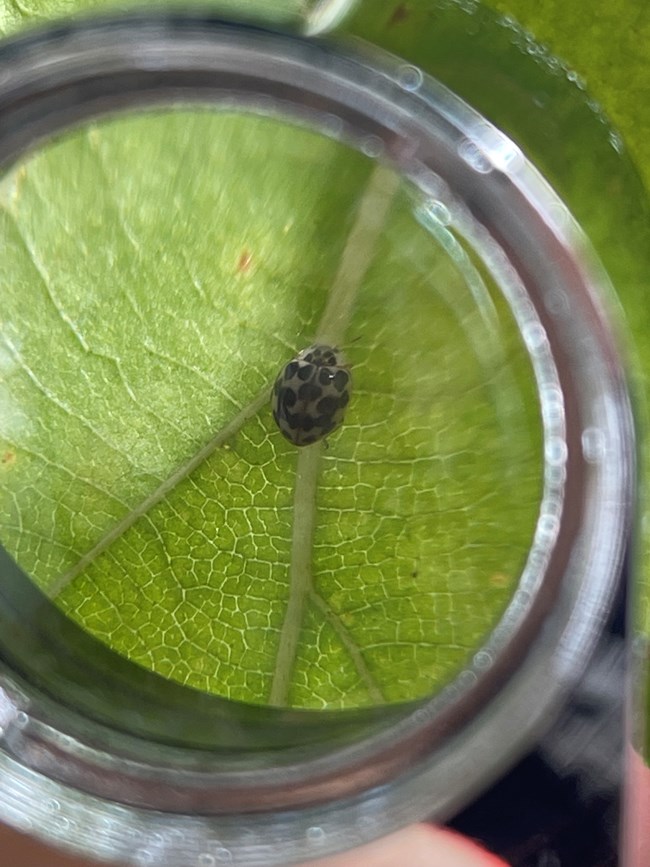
[(20, 14), (159, 270)]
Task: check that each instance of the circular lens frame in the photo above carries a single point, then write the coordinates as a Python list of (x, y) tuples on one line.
[(98, 752)]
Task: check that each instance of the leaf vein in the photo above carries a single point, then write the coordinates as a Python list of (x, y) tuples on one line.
[(161, 491), (351, 646), (46, 281), (64, 407)]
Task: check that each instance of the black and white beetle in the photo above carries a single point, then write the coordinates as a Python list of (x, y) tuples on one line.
[(311, 394)]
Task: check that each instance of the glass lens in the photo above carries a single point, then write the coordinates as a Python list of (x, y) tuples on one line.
[(308, 401), (161, 271)]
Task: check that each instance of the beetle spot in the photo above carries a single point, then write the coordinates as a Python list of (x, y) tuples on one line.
[(341, 379), (305, 372), (326, 423), (327, 405), (288, 397), (309, 391)]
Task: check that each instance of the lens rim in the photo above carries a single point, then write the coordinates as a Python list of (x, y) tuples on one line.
[(90, 741)]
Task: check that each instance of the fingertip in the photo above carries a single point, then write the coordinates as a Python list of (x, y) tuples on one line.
[(468, 852), (421, 845)]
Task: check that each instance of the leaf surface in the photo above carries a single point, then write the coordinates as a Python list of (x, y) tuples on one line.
[(158, 272)]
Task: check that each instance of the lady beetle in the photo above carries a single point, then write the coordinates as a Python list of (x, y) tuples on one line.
[(310, 394)]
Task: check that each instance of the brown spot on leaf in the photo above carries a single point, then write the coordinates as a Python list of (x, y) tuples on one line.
[(401, 13), (8, 459), (499, 579), (244, 261)]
